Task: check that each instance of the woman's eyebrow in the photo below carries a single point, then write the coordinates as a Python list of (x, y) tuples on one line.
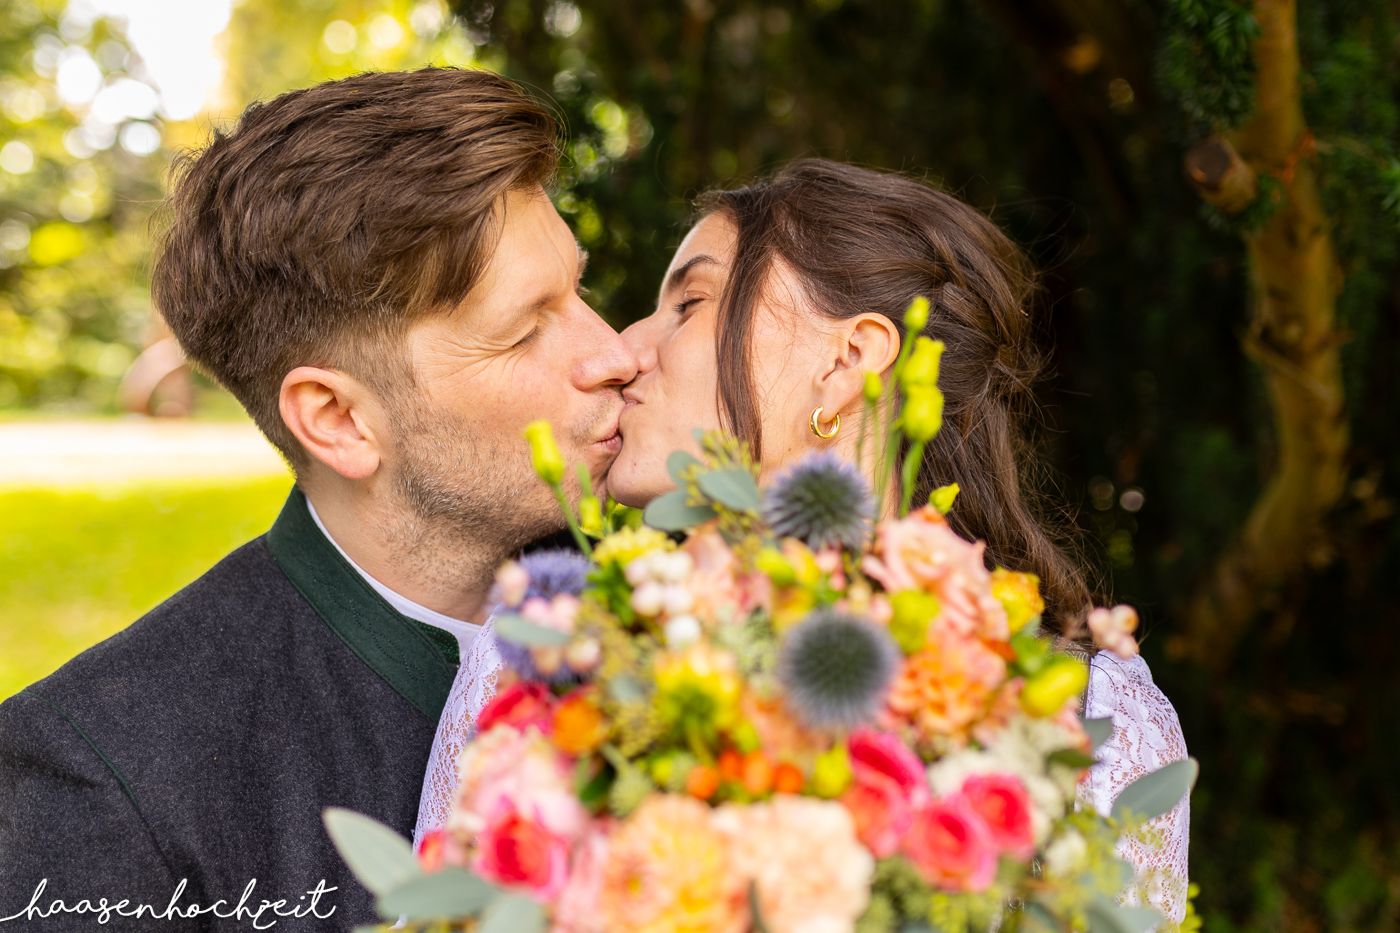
[(678, 276)]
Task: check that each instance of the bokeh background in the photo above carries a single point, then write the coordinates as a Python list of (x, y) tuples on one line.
[(1211, 188)]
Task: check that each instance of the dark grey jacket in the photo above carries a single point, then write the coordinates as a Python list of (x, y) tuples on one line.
[(200, 745)]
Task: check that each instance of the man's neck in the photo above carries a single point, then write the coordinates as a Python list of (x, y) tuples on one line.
[(446, 573)]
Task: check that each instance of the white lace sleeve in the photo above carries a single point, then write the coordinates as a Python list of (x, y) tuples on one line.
[(473, 687), (1146, 736)]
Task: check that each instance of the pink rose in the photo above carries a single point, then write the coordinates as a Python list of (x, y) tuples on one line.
[(1003, 804), (888, 785), (951, 846), (520, 705), (515, 850), (880, 812), (882, 754), (923, 552)]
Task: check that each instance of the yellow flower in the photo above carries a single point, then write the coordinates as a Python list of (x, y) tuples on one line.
[(1058, 682), (874, 387), (590, 516), (913, 612), (916, 315), (544, 453), (922, 417), (627, 544), (669, 870), (1020, 594), (943, 498), (697, 690), (921, 369)]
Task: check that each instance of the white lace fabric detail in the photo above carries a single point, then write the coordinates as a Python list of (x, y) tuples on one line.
[(1146, 736), (472, 689)]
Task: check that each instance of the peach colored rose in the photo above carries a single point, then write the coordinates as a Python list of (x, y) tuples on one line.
[(576, 910), (1003, 804), (669, 869), (811, 873), (944, 690), (951, 846), (922, 552)]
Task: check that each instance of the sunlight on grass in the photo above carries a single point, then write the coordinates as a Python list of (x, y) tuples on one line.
[(78, 565)]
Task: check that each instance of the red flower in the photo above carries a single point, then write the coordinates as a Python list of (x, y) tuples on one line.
[(1003, 804), (951, 846), (521, 705), (516, 850)]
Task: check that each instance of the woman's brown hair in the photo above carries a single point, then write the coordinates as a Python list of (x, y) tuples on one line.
[(861, 240)]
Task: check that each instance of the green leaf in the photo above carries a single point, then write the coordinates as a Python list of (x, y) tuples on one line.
[(1070, 758), (625, 689), (733, 487), (1104, 916), (1154, 794), (1040, 919), (678, 463), (379, 858), (513, 913), (522, 631), (451, 892), (1098, 730), (671, 513)]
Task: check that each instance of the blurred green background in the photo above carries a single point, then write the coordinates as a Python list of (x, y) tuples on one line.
[(1220, 419)]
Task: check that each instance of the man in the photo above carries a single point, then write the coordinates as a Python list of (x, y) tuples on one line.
[(372, 267)]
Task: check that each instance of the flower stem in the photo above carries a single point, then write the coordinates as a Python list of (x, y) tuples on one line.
[(579, 537), (910, 471)]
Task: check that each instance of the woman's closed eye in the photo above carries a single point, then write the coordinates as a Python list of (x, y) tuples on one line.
[(685, 304)]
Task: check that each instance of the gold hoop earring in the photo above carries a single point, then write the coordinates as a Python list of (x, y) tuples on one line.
[(816, 424)]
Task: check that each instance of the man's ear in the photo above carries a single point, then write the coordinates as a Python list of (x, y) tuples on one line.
[(333, 416), (865, 343)]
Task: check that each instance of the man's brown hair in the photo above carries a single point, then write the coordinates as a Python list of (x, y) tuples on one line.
[(332, 218)]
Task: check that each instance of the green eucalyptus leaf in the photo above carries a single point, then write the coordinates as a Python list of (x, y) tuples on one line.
[(451, 892), (625, 689), (1098, 730), (1154, 794), (671, 512), (513, 913), (1104, 916), (522, 631), (733, 487), (678, 463), (1070, 758), (379, 858)]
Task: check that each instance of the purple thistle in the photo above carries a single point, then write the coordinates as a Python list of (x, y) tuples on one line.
[(835, 669), (821, 500)]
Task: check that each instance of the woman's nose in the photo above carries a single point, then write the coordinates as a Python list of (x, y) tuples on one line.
[(641, 339)]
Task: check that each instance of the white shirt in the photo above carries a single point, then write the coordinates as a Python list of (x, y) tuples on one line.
[(464, 632)]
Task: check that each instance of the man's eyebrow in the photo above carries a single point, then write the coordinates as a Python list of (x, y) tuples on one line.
[(677, 277)]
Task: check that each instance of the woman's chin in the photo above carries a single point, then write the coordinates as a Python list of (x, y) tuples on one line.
[(631, 484)]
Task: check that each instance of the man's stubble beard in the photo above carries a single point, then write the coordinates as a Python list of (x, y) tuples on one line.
[(466, 499)]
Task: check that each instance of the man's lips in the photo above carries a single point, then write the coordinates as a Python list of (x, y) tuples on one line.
[(612, 441)]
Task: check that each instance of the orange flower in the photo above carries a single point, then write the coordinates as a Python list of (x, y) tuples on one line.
[(669, 870), (579, 726), (948, 687)]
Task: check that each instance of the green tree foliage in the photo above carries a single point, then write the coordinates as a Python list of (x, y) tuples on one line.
[(76, 184)]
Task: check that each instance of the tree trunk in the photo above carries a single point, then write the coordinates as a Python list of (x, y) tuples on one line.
[(1295, 279)]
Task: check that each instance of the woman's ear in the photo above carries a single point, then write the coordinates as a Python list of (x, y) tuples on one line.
[(868, 342), (332, 415)]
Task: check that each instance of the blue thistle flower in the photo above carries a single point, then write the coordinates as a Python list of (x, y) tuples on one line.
[(552, 573), (835, 669), (821, 500)]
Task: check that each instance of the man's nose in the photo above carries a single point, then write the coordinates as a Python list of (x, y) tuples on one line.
[(607, 359)]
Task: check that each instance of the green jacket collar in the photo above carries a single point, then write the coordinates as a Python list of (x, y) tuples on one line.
[(417, 660)]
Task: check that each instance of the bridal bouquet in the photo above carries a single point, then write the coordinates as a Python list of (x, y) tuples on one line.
[(765, 710)]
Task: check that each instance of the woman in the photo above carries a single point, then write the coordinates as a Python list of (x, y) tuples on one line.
[(778, 302)]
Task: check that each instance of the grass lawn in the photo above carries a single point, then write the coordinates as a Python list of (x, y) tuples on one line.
[(77, 565)]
